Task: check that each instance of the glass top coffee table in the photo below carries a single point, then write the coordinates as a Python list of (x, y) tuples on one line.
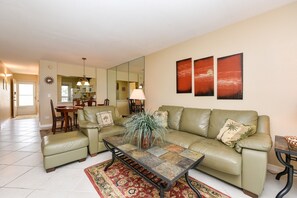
[(160, 165)]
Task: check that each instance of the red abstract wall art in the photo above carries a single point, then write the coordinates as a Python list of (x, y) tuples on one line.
[(230, 77), (184, 76), (203, 77)]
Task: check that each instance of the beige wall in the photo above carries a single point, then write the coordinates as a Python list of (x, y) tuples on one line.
[(5, 95), (101, 88), (269, 46), (47, 92)]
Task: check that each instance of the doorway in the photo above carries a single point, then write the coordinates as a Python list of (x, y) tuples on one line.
[(26, 102)]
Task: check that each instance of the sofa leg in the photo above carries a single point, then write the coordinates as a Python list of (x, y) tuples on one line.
[(50, 170), (93, 155), (82, 160), (249, 193)]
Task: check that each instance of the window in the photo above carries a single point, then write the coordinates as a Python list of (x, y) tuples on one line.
[(66, 93), (26, 94)]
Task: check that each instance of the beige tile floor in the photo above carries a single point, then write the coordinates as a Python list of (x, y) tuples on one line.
[(22, 173)]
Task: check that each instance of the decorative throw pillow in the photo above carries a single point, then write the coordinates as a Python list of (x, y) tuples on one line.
[(234, 131), (104, 118), (161, 117)]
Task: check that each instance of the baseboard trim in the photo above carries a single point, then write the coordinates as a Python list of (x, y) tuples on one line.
[(274, 169), (3, 123)]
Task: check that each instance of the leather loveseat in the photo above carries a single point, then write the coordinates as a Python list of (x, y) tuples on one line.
[(89, 126), (243, 166)]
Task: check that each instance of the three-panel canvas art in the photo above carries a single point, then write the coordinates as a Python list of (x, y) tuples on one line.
[(229, 76)]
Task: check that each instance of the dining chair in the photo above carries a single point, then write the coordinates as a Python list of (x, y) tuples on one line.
[(58, 119), (106, 102), (77, 102), (138, 106), (131, 103), (91, 102)]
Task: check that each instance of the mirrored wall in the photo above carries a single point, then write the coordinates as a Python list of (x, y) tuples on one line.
[(122, 80)]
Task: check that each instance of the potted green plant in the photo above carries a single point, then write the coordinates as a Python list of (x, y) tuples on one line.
[(144, 129)]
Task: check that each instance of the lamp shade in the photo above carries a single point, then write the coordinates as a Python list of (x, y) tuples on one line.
[(137, 94), (86, 83), (78, 83)]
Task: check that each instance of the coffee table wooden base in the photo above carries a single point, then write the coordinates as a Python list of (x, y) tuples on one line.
[(144, 173)]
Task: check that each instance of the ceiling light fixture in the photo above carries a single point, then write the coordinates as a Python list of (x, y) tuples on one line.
[(83, 81)]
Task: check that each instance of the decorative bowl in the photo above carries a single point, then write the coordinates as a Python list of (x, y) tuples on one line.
[(292, 142)]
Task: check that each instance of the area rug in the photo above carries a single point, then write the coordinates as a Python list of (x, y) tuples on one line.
[(45, 132), (121, 182)]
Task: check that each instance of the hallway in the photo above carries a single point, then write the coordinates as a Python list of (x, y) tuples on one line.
[(22, 174)]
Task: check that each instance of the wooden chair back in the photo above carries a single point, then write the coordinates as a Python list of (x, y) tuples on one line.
[(78, 102), (53, 110), (106, 102)]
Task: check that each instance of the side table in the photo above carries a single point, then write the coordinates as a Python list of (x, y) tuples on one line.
[(282, 147)]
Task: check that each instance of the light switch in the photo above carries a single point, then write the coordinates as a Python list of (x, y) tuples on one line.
[(49, 95)]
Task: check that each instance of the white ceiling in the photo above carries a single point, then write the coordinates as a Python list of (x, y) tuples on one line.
[(109, 32)]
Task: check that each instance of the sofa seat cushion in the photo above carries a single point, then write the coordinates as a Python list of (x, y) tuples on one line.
[(180, 138), (218, 156), (110, 131), (63, 142)]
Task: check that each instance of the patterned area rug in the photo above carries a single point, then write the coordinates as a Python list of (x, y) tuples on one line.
[(45, 132), (120, 182)]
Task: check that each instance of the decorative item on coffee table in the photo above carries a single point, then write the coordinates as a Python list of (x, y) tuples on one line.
[(143, 129), (292, 142)]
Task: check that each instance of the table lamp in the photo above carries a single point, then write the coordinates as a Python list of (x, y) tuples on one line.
[(137, 94)]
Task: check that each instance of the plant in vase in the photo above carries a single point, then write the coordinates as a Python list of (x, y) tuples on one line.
[(144, 129)]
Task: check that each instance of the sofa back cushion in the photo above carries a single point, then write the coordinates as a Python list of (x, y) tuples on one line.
[(218, 118), (174, 115), (90, 112), (194, 120)]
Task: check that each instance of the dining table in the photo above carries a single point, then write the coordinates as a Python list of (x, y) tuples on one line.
[(64, 110)]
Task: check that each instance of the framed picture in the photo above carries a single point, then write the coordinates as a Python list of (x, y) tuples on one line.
[(230, 77), (184, 76), (203, 77)]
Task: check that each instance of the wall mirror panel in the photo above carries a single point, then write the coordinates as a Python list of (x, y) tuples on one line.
[(122, 80), (68, 90)]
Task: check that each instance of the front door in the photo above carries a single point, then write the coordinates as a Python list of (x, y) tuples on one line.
[(26, 98)]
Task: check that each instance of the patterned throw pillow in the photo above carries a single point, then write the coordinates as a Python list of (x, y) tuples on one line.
[(161, 117), (104, 118), (234, 131)]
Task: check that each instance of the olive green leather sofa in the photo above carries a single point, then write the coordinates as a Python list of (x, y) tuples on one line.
[(89, 126), (197, 129)]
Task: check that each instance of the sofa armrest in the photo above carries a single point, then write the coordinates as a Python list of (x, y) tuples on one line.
[(88, 125), (254, 166), (258, 141), (92, 132)]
